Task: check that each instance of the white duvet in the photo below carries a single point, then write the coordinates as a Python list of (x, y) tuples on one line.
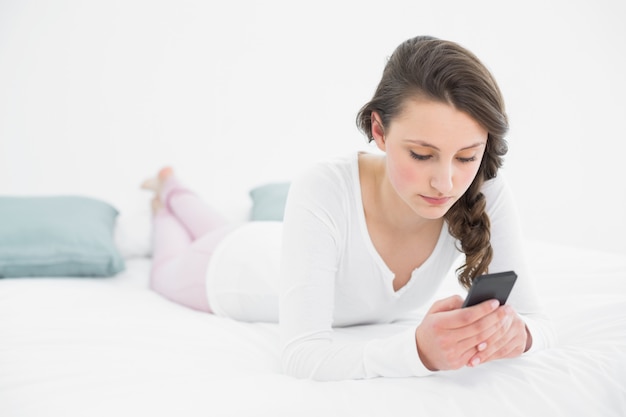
[(110, 347)]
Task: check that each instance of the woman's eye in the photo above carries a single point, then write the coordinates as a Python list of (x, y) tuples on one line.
[(420, 157), (470, 159)]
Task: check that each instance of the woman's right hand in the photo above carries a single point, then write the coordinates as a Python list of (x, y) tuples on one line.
[(449, 336)]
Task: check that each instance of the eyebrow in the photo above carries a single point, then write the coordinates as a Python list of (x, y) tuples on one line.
[(429, 145)]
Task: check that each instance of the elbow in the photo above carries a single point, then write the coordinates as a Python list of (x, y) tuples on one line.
[(290, 366), (298, 363)]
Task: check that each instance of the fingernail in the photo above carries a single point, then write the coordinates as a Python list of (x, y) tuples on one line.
[(481, 347), (475, 361), (495, 304)]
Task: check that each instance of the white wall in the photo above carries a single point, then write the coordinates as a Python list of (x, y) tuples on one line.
[(95, 95)]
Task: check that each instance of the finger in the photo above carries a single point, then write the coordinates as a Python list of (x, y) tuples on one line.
[(446, 304), (508, 341), (504, 348), (482, 343), (490, 350), (510, 345), (470, 315), (489, 328)]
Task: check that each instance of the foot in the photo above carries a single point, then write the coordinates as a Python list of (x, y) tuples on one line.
[(155, 184)]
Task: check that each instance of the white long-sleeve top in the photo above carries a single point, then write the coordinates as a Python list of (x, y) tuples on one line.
[(332, 276)]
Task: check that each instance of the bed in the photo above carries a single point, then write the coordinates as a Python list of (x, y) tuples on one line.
[(111, 347)]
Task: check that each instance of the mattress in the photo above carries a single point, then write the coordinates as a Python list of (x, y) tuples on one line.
[(111, 347)]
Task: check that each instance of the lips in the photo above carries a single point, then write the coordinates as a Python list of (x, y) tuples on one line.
[(436, 201)]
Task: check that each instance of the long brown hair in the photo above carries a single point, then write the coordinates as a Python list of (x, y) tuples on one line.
[(444, 71)]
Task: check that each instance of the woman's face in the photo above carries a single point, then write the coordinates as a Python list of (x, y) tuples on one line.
[(433, 154)]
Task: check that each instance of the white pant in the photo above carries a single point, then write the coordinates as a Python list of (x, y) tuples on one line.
[(244, 272)]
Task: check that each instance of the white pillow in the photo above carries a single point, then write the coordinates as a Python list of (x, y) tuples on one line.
[(133, 233)]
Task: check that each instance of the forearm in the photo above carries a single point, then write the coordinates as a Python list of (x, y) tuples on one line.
[(339, 358)]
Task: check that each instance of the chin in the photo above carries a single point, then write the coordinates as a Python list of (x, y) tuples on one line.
[(432, 213)]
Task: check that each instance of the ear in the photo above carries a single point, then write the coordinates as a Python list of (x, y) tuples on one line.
[(378, 131)]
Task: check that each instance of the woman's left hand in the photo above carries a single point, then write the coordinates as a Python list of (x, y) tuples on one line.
[(511, 340)]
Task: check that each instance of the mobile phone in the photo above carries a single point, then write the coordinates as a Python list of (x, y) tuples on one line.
[(491, 286)]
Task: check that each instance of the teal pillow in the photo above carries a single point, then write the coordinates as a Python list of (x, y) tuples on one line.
[(57, 236), (268, 201)]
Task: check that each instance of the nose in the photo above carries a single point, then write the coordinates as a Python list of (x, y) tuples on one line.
[(441, 178)]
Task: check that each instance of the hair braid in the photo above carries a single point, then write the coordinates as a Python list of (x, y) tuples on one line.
[(469, 223)]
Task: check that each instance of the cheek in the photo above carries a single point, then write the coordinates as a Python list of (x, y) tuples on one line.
[(403, 174)]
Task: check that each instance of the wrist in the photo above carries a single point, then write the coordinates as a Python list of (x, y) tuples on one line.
[(422, 356), (529, 340)]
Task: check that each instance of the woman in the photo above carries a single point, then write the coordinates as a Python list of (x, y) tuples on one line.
[(370, 237)]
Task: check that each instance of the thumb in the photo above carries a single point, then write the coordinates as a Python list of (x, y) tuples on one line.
[(446, 304)]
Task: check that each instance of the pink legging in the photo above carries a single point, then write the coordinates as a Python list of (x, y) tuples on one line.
[(186, 232)]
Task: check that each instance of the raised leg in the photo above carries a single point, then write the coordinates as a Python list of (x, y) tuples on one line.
[(186, 232)]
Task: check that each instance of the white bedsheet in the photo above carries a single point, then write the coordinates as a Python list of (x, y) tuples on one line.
[(110, 347)]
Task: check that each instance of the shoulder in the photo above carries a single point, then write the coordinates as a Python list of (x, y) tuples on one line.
[(328, 178), (495, 185), (330, 169), (497, 191), (500, 201), (322, 196)]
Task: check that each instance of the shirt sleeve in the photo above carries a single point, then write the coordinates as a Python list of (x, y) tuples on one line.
[(313, 238), (508, 254)]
